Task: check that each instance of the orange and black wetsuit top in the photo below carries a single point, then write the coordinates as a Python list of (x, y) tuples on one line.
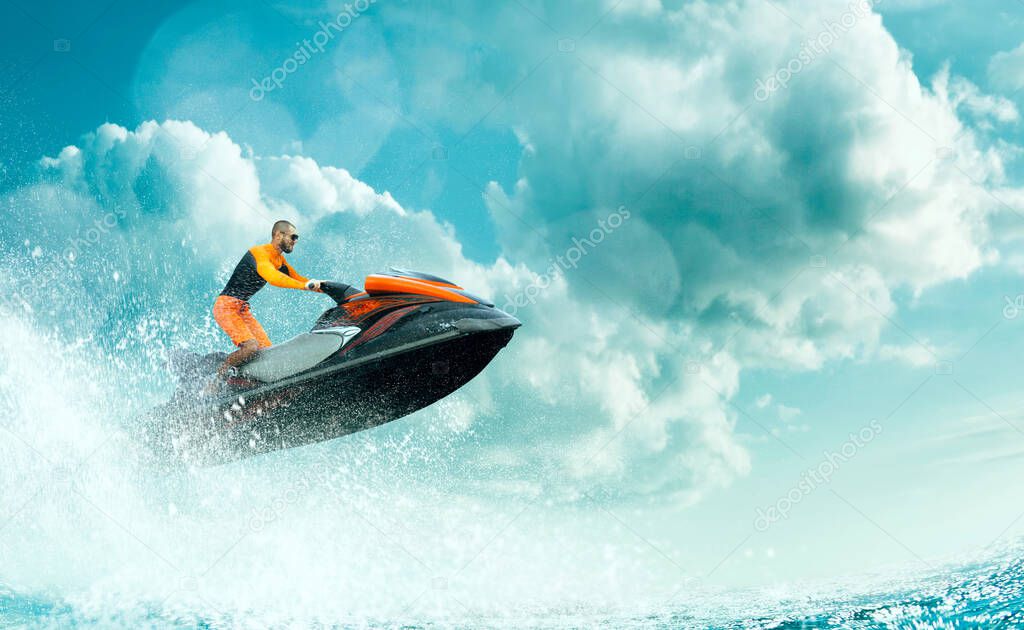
[(260, 265)]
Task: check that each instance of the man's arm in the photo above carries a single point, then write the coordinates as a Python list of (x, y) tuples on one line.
[(276, 278), (269, 272), (312, 285), (295, 274)]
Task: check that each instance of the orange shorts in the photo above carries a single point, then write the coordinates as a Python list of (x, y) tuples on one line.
[(234, 316)]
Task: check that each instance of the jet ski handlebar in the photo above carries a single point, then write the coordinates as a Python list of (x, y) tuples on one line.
[(338, 291)]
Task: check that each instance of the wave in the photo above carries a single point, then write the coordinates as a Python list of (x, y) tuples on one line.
[(981, 594)]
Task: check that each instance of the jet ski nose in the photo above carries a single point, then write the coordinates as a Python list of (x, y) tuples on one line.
[(504, 321), (509, 322)]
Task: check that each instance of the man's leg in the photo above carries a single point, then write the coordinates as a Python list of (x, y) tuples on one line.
[(246, 351), (255, 328), (232, 315)]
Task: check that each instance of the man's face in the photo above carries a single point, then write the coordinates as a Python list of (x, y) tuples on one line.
[(288, 238)]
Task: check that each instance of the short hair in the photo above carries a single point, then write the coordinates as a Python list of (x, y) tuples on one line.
[(279, 226)]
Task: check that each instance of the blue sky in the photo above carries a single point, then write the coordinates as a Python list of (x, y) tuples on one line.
[(793, 268)]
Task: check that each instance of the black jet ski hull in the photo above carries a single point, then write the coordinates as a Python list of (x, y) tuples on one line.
[(405, 342), (340, 400)]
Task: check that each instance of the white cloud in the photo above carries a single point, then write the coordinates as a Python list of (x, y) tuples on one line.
[(962, 93), (777, 182), (972, 440), (1006, 69), (913, 354), (787, 414)]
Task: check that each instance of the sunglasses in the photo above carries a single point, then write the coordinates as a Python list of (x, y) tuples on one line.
[(294, 237)]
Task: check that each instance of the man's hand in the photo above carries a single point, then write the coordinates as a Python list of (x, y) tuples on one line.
[(314, 285)]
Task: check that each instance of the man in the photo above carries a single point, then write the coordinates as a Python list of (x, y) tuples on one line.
[(260, 265)]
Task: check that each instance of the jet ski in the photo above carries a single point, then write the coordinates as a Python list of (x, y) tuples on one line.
[(405, 341)]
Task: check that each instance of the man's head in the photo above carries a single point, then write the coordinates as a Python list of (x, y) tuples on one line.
[(284, 236)]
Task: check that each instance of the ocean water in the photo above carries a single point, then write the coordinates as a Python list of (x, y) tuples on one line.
[(984, 594)]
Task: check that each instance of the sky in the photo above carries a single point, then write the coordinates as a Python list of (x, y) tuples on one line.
[(788, 222)]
